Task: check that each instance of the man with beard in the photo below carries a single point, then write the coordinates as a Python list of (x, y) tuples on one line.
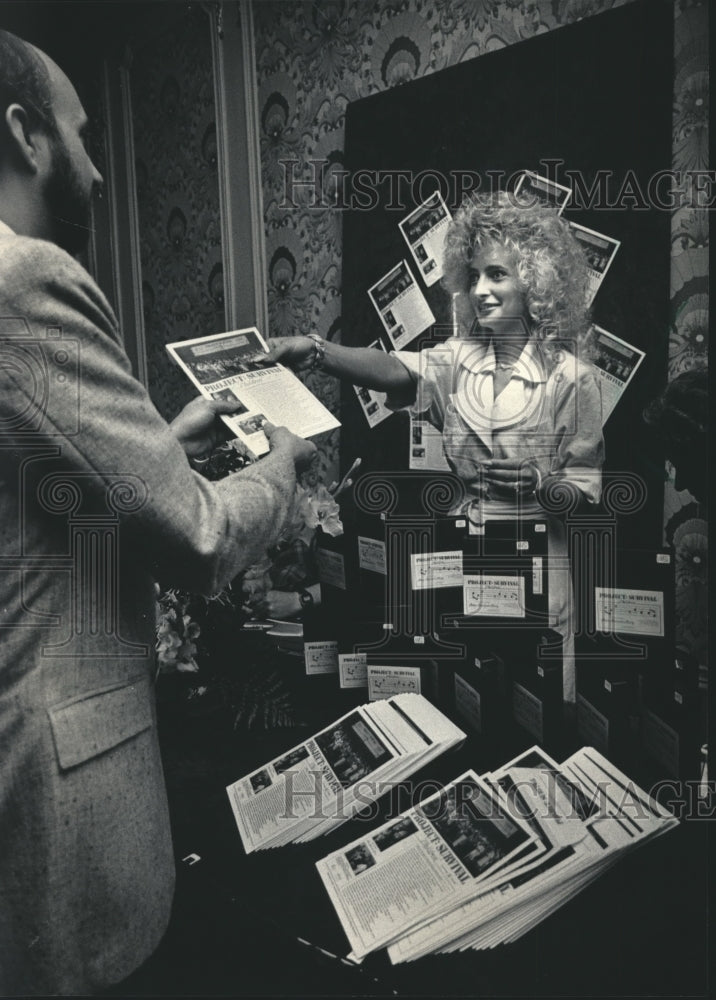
[(97, 501)]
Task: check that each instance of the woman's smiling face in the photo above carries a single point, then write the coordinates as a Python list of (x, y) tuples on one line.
[(495, 291)]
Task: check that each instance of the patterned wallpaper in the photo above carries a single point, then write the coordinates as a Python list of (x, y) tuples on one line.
[(178, 198), (685, 524), (313, 58)]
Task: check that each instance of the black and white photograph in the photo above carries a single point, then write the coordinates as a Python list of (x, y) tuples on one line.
[(253, 424), (359, 858), (474, 827), (211, 214), (291, 759), (260, 781), (353, 750), (210, 361), (398, 831)]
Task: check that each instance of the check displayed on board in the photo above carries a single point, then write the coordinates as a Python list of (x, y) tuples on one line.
[(233, 366)]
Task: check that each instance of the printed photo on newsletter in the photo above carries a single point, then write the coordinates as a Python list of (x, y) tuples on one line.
[(543, 189), (424, 231)]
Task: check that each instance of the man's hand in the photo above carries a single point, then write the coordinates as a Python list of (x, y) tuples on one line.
[(299, 450), (294, 352), (278, 604), (198, 427)]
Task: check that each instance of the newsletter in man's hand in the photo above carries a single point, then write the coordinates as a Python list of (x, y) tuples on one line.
[(234, 366)]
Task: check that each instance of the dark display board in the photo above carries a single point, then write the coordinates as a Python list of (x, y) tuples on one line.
[(588, 105)]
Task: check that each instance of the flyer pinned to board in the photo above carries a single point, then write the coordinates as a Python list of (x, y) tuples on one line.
[(426, 447), (544, 190), (372, 401), (424, 231), (615, 364), (401, 305), (599, 252)]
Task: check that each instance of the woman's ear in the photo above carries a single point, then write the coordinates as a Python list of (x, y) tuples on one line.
[(25, 142)]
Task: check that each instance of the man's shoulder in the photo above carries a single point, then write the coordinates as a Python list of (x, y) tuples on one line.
[(26, 259), (33, 272)]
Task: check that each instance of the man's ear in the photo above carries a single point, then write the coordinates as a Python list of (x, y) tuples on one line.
[(24, 140)]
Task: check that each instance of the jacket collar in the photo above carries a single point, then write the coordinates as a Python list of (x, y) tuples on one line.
[(479, 358)]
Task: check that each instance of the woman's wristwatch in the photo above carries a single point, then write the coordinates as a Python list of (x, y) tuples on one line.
[(305, 599)]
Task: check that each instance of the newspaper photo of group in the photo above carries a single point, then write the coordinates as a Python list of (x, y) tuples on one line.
[(481, 862), (234, 366), (374, 744)]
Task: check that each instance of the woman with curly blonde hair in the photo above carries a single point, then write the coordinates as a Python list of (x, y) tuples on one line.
[(549, 264), (512, 392)]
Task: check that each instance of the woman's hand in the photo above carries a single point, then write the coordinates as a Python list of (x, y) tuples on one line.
[(198, 427), (294, 352), (511, 477)]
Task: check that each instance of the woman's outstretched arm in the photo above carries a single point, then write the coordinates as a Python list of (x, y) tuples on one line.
[(362, 366)]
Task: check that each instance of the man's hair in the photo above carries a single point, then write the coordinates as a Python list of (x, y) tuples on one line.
[(24, 80), (549, 263)]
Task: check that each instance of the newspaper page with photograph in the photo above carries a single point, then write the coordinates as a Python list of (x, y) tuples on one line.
[(233, 366), (323, 781), (601, 830), (431, 881), (422, 864), (542, 189), (615, 364), (424, 231), (426, 447), (599, 252), (401, 305), (372, 401)]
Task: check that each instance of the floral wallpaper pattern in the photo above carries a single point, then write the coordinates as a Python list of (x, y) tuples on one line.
[(685, 524), (313, 58), (178, 198)]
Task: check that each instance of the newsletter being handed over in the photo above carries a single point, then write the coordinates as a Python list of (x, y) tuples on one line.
[(234, 366)]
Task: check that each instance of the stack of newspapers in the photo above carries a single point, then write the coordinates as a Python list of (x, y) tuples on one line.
[(488, 857), (325, 780)]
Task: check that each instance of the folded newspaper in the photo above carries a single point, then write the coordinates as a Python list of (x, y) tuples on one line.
[(488, 857), (325, 780), (233, 366)]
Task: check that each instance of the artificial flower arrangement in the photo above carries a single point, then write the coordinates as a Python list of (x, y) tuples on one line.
[(193, 631)]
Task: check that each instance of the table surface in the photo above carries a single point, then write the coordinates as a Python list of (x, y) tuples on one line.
[(262, 924)]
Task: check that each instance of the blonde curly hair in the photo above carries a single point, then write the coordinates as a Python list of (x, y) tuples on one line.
[(549, 262)]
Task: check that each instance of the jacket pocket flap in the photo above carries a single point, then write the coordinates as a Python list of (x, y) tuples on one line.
[(99, 720)]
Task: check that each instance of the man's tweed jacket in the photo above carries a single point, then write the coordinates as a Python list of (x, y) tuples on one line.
[(97, 501)]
